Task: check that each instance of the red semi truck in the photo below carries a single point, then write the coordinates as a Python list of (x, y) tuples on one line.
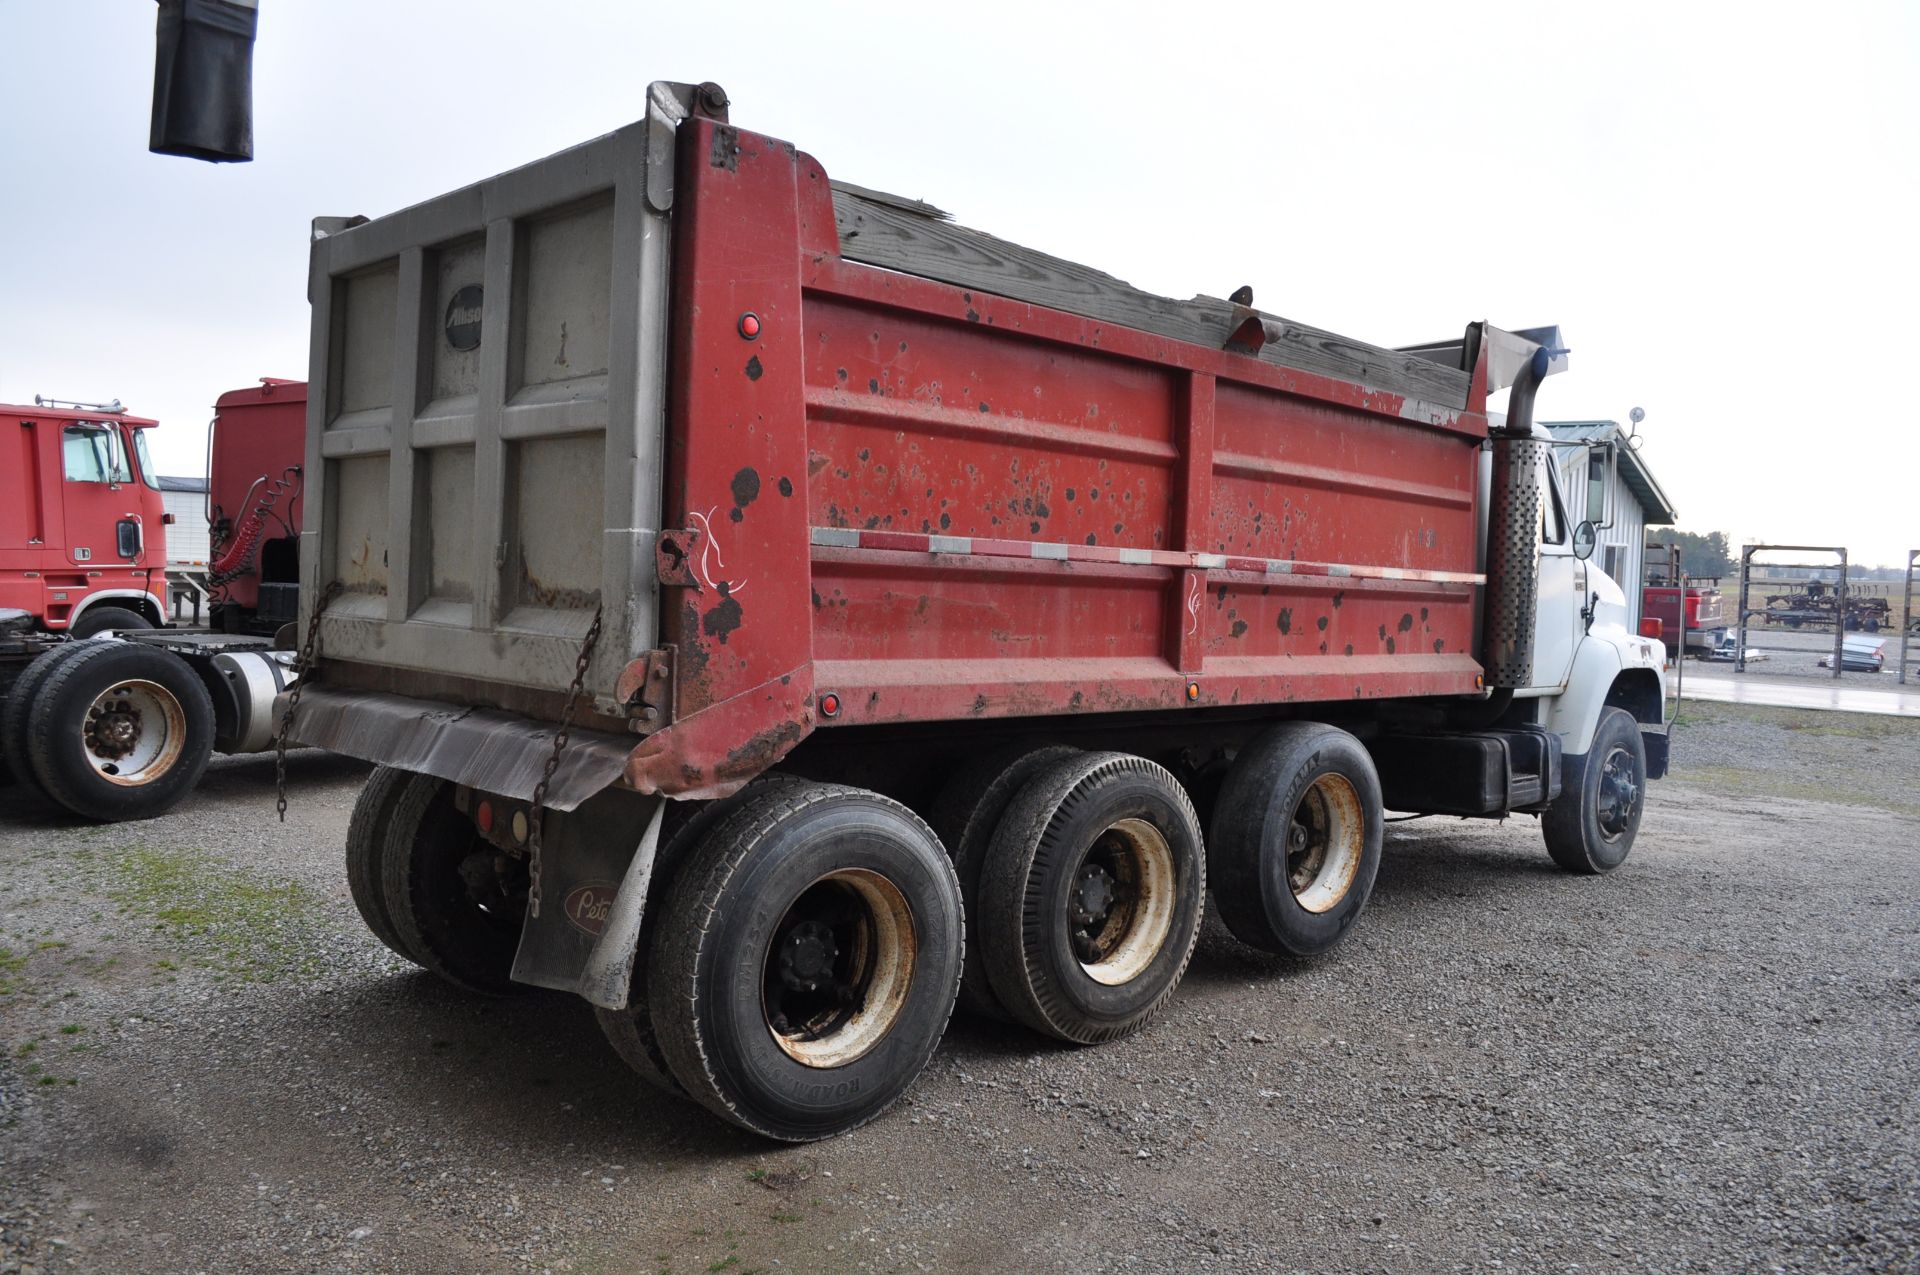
[(102, 711), (81, 545), (776, 610)]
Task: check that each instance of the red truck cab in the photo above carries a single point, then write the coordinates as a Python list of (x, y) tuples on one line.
[(253, 503), (80, 516)]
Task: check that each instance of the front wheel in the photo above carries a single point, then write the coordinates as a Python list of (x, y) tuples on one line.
[(98, 620), (1591, 825)]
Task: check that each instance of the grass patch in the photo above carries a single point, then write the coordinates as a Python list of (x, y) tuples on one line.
[(1754, 783), (231, 922)]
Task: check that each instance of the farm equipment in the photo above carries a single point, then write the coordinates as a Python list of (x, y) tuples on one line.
[(1820, 602), (775, 609), (101, 709)]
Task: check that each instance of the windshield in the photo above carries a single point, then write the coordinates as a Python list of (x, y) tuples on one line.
[(145, 460)]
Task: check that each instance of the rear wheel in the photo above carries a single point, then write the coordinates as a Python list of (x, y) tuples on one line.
[(807, 960), (13, 712), (1591, 826), (1091, 896), (366, 845), (630, 1031), (966, 816), (456, 903), (119, 731), (104, 619), (1296, 839)]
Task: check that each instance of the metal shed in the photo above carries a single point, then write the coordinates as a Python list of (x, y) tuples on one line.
[(1634, 500)]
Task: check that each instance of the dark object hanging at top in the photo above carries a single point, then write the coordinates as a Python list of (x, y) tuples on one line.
[(203, 80)]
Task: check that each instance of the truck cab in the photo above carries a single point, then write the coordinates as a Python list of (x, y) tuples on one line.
[(80, 517)]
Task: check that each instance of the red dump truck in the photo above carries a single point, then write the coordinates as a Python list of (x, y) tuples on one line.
[(102, 710), (777, 610)]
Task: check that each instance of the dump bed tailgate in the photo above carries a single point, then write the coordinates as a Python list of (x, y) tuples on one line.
[(485, 427)]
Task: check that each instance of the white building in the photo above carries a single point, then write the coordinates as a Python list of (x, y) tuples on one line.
[(1631, 499), (186, 500)]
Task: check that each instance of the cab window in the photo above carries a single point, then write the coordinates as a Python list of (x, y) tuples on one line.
[(1553, 515), (92, 454), (145, 459)]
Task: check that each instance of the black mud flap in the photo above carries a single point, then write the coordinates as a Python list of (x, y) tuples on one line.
[(1659, 746), (595, 865)]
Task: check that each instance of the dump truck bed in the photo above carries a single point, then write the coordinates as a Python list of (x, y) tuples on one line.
[(819, 458)]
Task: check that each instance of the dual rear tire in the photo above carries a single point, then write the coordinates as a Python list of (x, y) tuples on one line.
[(429, 887), (110, 730)]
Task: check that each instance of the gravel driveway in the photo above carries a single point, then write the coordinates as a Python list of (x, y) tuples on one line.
[(1706, 1061)]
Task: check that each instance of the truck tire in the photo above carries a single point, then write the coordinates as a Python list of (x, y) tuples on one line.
[(965, 816), (1091, 897), (102, 619), (1296, 839), (13, 714), (119, 731), (465, 931), (807, 961), (366, 842), (1591, 826), (630, 1031)]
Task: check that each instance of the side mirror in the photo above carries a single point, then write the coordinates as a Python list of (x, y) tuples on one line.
[(203, 80), (1599, 476), (126, 536), (1584, 539)]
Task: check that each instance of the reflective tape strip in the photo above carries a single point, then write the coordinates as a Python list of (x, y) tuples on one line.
[(1054, 551)]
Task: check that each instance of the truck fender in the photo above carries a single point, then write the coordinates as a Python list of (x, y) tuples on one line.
[(145, 603), (1602, 677)]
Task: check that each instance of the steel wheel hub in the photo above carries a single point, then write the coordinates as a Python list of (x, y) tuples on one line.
[(838, 969), (1325, 843), (112, 729), (807, 956), (1619, 794), (134, 732)]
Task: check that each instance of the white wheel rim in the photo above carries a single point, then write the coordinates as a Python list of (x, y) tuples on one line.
[(133, 733), (876, 966), (1125, 938), (1325, 837)]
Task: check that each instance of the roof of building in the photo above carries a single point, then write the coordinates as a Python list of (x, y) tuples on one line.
[(180, 484), (1633, 468)]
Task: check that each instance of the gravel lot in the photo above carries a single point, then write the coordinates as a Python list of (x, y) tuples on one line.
[(1706, 1061)]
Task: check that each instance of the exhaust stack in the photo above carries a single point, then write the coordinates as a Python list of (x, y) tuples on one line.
[(1513, 513)]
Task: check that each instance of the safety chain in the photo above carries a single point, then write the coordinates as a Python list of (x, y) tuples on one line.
[(302, 668), (580, 664)]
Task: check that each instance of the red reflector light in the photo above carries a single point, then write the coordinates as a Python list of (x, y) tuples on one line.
[(483, 816), (829, 705), (168, 519), (749, 325), (1652, 626)]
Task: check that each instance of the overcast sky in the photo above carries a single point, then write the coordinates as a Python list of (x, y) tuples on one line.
[(1716, 203)]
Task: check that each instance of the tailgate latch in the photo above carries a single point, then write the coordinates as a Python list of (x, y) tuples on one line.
[(645, 689)]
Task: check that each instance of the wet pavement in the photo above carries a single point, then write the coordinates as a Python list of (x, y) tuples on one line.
[(1846, 695)]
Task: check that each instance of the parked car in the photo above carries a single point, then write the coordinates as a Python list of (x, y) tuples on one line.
[(1859, 655), (1727, 649)]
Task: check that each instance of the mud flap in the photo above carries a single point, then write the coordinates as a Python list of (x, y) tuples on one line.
[(1659, 746), (596, 865)]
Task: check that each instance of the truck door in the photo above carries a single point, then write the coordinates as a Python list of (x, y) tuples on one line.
[(102, 523), (1556, 618)]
